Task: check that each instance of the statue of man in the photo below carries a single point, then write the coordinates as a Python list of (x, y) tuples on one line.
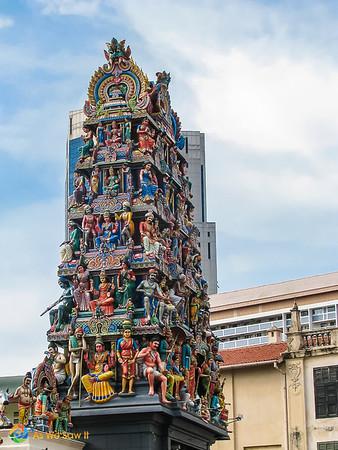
[(150, 289), (89, 223), (25, 398), (76, 347), (61, 316), (153, 368), (126, 356), (59, 362)]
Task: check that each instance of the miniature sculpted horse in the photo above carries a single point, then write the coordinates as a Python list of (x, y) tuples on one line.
[(4, 421)]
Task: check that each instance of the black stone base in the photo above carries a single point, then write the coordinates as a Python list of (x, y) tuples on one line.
[(142, 423)]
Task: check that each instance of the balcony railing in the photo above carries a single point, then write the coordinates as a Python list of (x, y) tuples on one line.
[(317, 339)]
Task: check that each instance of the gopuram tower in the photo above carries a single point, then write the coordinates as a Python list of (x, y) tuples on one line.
[(130, 345)]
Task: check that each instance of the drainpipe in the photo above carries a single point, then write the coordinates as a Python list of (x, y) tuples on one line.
[(275, 365)]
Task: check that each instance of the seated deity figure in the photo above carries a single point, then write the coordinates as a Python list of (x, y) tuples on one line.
[(105, 300), (83, 288), (127, 225), (149, 238), (59, 361), (89, 223), (177, 380), (166, 308), (151, 294), (148, 184), (112, 183), (153, 368), (146, 141), (114, 139), (96, 382), (86, 149), (178, 294), (107, 233)]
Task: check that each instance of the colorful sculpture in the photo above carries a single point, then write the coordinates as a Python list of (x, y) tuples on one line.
[(96, 382), (86, 149), (126, 352), (77, 348), (148, 183), (25, 399)]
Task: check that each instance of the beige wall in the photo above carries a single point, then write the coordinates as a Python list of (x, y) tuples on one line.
[(258, 394), (318, 430)]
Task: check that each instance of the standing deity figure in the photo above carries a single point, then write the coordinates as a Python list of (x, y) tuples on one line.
[(64, 419), (96, 382), (175, 382), (86, 149), (72, 246), (77, 347), (80, 190), (60, 317), (94, 184), (125, 285), (105, 300), (100, 134), (83, 288), (107, 233), (89, 223), (153, 368), (58, 361), (126, 131), (126, 352), (151, 290), (146, 141), (44, 402), (127, 225), (25, 398), (126, 178), (114, 139), (148, 183), (112, 183), (149, 237), (193, 373)]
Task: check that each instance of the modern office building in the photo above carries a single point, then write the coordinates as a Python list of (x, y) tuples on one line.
[(243, 317), (194, 153)]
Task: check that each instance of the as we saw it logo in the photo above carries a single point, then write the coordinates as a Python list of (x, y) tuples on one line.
[(19, 433)]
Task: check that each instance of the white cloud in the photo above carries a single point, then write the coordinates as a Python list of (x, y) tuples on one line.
[(85, 8), (6, 22)]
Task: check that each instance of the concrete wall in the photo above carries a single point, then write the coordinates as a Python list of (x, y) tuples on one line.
[(258, 394)]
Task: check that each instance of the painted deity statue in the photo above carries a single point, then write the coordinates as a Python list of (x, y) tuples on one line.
[(80, 189), (149, 237), (112, 183), (83, 288), (107, 233), (86, 150), (100, 134), (146, 141), (178, 295), (166, 308), (177, 378), (127, 225), (126, 131), (153, 368), (126, 352), (60, 317), (25, 398), (77, 348), (89, 223), (148, 183), (105, 300), (70, 248), (96, 382), (94, 184), (126, 280), (59, 361), (64, 419), (114, 138), (151, 293)]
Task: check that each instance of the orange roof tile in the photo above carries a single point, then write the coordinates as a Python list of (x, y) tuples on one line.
[(253, 354)]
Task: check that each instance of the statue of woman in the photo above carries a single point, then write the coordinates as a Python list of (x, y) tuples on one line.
[(125, 285), (107, 233), (112, 183), (82, 289), (100, 134), (94, 184), (114, 139), (96, 382), (80, 189), (127, 225), (146, 141), (85, 150), (148, 182), (105, 300)]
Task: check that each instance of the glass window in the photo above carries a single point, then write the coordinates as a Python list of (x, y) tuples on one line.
[(326, 391), (333, 445)]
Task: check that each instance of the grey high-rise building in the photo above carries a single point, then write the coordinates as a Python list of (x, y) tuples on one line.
[(194, 153)]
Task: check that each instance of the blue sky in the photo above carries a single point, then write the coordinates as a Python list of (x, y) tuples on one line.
[(260, 78)]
